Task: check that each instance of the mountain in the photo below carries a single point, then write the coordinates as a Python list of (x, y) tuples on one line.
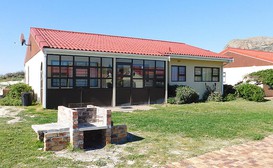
[(254, 43)]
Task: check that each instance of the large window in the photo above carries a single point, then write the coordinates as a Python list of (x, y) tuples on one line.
[(140, 73), (178, 73), (77, 71), (60, 71), (205, 74)]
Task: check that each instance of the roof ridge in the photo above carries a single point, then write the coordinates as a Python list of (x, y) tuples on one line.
[(99, 34)]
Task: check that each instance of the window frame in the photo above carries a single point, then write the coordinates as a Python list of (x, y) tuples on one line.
[(212, 75), (178, 74)]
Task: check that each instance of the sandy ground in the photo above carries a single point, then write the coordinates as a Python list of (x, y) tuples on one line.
[(12, 112), (106, 157)]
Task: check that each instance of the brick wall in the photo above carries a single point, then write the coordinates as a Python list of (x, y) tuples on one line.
[(56, 141), (71, 118), (119, 134)]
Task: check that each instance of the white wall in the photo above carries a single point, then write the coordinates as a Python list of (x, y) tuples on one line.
[(32, 73), (199, 87), (235, 75)]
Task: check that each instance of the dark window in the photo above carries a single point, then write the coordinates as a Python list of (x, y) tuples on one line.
[(79, 71), (205, 74), (178, 73)]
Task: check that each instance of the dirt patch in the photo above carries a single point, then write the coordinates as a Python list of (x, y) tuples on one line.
[(10, 112), (108, 156)]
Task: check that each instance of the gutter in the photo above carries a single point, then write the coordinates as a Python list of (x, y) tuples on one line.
[(199, 58)]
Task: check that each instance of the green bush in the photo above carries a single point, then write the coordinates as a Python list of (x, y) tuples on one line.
[(215, 96), (13, 98), (230, 97), (185, 94), (263, 76), (228, 89), (171, 100), (172, 90), (250, 92)]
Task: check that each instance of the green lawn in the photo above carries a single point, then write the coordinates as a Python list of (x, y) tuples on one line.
[(168, 134), (226, 120)]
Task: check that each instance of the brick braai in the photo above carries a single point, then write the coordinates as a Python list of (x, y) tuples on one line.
[(74, 123)]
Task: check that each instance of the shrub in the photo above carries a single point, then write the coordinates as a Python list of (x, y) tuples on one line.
[(185, 94), (172, 90), (250, 92), (230, 97), (171, 100), (13, 98), (228, 89), (263, 76), (215, 96)]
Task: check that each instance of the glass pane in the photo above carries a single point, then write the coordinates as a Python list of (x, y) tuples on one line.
[(138, 64), (49, 71), (149, 74), (159, 73), (182, 78), (124, 60), (138, 73), (197, 71), (123, 70), (159, 83), (66, 61), (216, 71), (137, 83), (94, 61), (94, 73), (53, 60), (53, 83), (81, 82), (106, 83), (206, 76), (81, 72), (174, 73), (66, 72), (159, 77), (197, 78), (107, 62), (81, 61), (148, 83), (149, 65), (182, 70), (55, 72), (106, 72), (123, 82), (215, 79), (160, 65), (66, 83), (95, 83)]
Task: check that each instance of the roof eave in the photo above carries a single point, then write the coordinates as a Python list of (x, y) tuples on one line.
[(102, 54), (202, 58)]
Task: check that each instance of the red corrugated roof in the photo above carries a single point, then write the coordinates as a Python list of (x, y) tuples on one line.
[(59, 39), (263, 55)]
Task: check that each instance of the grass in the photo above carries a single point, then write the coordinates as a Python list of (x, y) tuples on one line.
[(225, 120), (170, 133), (19, 147)]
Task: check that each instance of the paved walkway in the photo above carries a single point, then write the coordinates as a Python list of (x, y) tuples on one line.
[(258, 154)]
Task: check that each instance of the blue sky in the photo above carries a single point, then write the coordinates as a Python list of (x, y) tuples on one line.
[(207, 24)]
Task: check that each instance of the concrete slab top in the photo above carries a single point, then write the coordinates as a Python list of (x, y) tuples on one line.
[(51, 127)]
